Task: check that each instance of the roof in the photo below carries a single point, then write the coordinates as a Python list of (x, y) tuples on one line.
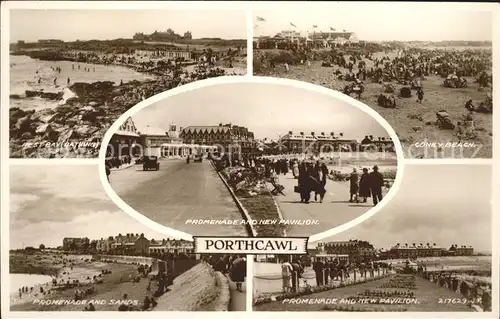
[(305, 137), (206, 129), (341, 242), (334, 35), (126, 133)]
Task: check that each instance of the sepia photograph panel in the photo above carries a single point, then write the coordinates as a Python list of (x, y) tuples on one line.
[(429, 249), (73, 249), (252, 159), (432, 84), (71, 79)]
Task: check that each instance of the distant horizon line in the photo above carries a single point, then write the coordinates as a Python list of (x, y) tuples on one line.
[(404, 41), (124, 38)]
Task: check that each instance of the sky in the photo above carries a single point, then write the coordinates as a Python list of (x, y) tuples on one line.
[(405, 21), (71, 25), (442, 204), (268, 110), (49, 203)]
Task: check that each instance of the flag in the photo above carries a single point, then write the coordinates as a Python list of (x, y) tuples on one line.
[(332, 29), (293, 25), (260, 19), (315, 26)]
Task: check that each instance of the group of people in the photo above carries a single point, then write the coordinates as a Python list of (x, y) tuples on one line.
[(233, 265), (366, 185), (291, 272), (415, 63), (311, 178), (26, 290), (58, 70), (116, 162), (326, 270)]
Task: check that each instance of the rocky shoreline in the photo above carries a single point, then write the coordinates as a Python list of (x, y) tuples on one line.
[(76, 128)]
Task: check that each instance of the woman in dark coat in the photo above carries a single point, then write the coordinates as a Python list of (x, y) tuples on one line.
[(321, 171), (238, 272), (284, 166), (302, 181), (364, 185), (310, 182)]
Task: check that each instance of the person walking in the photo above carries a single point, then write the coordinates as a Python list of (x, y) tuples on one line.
[(295, 169), (108, 172), (364, 185), (354, 185), (318, 268), (296, 274), (286, 275), (238, 272), (321, 172), (420, 95), (302, 181), (310, 184), (376, 183)]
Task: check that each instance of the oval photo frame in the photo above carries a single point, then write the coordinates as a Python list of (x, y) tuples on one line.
[(256, 80)]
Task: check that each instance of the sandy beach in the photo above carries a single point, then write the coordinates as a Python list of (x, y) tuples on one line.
[(76, 268)]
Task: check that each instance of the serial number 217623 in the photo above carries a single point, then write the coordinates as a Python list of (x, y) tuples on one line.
[(453, 301)]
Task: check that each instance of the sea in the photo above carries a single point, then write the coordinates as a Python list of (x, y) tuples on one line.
[(25, 280), (25, 73)]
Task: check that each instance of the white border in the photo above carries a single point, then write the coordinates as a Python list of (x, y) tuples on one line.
[(200, 85), (5, 154), (230, 5), (495, 224)]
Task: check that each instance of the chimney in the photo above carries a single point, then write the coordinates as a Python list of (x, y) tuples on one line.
[(220, 124), (332, 134), (290, 132), (312, 133), (301, 133), (323, 133), (341, 134)]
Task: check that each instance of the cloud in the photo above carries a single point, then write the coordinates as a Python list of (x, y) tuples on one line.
[(19, 201), (442, 204), (64, 181)]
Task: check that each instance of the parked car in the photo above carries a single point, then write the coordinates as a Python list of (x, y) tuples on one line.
[(150, 162), (140, 160)]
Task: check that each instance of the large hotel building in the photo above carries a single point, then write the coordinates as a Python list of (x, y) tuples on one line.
[(354, 250), (227, 137)]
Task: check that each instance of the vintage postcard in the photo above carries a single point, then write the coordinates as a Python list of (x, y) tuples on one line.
[(199, 158)]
